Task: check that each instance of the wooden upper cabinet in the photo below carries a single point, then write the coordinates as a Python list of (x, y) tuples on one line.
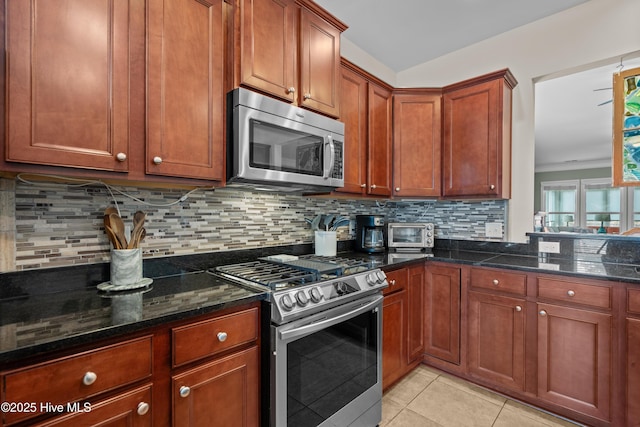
[(186, 92), (290, 49), (319, 64), (268, 46), (417, 141), (68, 83), (379, 148), (353, 113), (477, 137)]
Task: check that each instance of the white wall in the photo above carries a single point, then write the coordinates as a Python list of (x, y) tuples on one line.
[(585, 34)]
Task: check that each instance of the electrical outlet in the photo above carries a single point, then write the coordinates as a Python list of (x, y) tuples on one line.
[(549, 247), (493, 229)]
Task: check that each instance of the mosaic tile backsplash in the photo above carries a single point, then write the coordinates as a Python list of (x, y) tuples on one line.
[(62, 225)]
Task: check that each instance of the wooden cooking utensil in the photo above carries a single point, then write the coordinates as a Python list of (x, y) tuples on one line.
[(116, 224), (138, 222)]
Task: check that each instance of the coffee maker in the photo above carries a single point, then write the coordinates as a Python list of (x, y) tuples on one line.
[(370, 233)]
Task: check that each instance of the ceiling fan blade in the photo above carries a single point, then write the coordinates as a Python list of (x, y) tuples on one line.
[(602, 88), (605, 102)]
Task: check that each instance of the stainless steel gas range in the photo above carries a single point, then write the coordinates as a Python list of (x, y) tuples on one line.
[(326, 341)]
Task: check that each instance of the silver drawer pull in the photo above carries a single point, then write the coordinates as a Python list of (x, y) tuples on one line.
[(496, 282), (542, 313), (222, 336), (157, 160), (571, 293), (184, 391), (518, 308), (143, 408), (121, 157), (89, 378)]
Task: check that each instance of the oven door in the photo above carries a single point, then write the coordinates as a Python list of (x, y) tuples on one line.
[(409, 236), (327, 368)]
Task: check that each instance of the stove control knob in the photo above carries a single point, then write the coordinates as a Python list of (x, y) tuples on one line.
[(302, 299), (315, 294), (286, 302), (381, 276), (372, 279)]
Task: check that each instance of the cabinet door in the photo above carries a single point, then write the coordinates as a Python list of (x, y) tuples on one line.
[(221, 393), (268, 46), (472, 131), (319, 64), (442, 313), (185, 71), (131, 408), (574, 359), (496, 339), (633, 372), (68, 83), (415, 313), (416, 145), (353, 113), (393, 337), (379, 164)]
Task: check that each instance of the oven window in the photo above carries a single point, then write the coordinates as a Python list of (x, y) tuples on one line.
[(407, 235), (328, 369), (284, 149)]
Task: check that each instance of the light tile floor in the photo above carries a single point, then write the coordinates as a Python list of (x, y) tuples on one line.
[(429, 398)]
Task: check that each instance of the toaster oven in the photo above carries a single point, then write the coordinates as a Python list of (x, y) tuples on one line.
[(410, 236)]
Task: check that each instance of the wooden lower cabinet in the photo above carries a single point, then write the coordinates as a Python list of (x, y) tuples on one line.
[(496, 339), (633, 372), (393, 337), (442, 312), (415, 313), (575, 359), (130, 409), (221, 393)]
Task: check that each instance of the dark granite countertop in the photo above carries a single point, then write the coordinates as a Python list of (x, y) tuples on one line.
[(54, 309)]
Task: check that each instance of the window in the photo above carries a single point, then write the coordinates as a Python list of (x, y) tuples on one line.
[(590, 204)]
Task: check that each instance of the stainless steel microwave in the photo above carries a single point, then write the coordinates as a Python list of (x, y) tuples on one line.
[(274, 145), (410, 236)]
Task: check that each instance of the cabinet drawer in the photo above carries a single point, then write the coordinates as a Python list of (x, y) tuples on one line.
[(70, 379), (512, 283), (574, 292), (633, 301), (397, 280), (209, 337)]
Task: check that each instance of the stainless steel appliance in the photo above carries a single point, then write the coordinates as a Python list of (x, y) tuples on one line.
[(275, 145), (370, 233), (410, 237), (326, 343)]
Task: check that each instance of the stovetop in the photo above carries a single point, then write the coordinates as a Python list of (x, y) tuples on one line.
[(284, 272), (305, 285)]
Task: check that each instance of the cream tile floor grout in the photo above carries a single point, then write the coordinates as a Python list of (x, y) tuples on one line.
[(430, 398)]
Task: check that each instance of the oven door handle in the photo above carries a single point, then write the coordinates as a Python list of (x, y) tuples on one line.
[(330, 321)]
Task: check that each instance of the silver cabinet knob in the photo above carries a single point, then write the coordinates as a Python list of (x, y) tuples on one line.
[(571, 293), (542, 313), (291, 90), (373, 186), (121, 157), (307, 96), (492, 187), (397, 189), (157, 160), (518, 308), (89, 378), (363, 185), (143, 408), (496, 282), (393, 282), (222, 336), (184, 391)]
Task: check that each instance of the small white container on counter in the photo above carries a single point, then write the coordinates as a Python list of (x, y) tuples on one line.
[(326, 243)]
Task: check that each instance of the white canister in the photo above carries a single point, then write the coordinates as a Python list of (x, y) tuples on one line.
[(126, 267), (326, 243)]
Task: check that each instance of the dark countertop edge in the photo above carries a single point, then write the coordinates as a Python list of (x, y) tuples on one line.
[(120, 330)]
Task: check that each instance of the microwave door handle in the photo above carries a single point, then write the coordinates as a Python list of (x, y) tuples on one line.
[(332, 158)]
